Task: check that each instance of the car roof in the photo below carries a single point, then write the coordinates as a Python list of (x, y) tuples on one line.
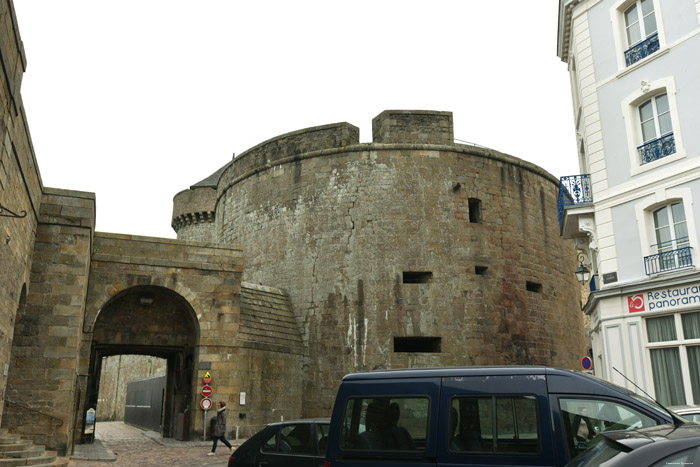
[(447, 372), (559, 380)]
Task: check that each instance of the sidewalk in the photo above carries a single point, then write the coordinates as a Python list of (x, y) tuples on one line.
[(121, 444)]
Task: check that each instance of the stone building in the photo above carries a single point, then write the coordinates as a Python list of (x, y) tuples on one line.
[(408, 251), (309, 256)]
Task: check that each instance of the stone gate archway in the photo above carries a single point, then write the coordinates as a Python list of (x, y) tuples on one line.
[(154, 321)]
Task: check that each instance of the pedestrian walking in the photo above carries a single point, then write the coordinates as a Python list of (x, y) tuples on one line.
[(220, 428)]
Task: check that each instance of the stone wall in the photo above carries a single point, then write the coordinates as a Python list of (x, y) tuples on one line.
[(348, 231), (20, 186), (48, 330)]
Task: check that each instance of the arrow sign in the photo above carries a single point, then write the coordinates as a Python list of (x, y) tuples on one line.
[(205, 404), (207, 391)]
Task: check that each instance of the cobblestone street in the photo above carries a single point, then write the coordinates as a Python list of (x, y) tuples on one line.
[(132, 446)]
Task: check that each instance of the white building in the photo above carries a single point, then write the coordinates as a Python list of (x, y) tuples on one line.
[(635, 208)]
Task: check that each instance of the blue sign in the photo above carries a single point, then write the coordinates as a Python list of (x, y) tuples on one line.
[(586, 363)]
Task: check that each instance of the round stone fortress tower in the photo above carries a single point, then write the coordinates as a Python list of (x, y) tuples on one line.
[(408, 251)]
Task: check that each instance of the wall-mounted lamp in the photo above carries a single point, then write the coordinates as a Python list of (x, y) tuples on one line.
[(582, 272)]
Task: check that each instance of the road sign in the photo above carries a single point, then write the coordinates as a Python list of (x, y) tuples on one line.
[(207, 390), (205, 404), (586, 363), (207, 378)]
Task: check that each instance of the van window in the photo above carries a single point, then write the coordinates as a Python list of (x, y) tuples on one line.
[(501, 424), (583, 419), (385, 424)]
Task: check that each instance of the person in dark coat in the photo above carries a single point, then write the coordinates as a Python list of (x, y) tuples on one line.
[(220, 428)]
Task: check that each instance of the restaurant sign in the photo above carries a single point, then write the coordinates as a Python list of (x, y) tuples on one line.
[(668, 299)]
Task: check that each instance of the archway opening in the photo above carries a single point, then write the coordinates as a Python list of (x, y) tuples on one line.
[(146, 321)]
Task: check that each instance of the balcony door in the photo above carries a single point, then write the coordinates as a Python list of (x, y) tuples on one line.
[(671, 231)]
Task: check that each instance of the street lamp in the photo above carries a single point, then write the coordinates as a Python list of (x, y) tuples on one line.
[(582, 272)]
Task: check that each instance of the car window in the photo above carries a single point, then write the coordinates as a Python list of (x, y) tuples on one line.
[(270, 445), (290, 439), (385, 424), (298, 438), (584, 419), (686, 457), (322, 437), (497, 424)]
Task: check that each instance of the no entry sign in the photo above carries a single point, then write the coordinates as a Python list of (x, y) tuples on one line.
[(207, 391), (205, 404)]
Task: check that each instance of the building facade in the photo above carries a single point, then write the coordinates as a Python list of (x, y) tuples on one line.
[(632, 210)]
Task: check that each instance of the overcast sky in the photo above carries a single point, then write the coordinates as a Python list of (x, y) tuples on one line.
[(136, 100)]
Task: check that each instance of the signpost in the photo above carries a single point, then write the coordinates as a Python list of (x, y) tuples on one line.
[(206, 403)]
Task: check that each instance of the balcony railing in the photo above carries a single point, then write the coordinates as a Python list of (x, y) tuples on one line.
[(642, 49), (574, 189), (668, 260), (657, 148)]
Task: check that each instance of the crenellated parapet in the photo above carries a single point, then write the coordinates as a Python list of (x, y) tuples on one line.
[(413, 127), (194, 213)]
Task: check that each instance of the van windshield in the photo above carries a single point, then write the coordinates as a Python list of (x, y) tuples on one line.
[(385, 424)]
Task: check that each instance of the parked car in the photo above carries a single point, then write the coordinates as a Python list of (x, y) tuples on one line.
[(479, 416), (657, 446), (297, 443), (689, 412)]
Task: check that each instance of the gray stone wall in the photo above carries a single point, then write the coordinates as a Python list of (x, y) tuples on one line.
[(20, 187), (339, 228), (48, 330)]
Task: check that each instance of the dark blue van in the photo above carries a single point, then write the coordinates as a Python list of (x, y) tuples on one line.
[(480, 416)]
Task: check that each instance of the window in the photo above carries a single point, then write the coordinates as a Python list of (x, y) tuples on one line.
[(657, 130), (583, 419), (504, 425), (641, 31), (385, 424), (291, 439), (417, 277), (418, 344), (474, 210), (672, 247), (533, 287), (652, 125), (674, 350)]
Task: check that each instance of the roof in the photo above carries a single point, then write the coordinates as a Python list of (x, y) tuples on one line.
[(212, 180)]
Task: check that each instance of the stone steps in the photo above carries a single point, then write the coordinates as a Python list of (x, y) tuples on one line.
[(18, 451)]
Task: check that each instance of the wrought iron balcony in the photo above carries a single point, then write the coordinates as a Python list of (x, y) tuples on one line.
[(642, 49), (574, 189), (657, 148), (668, 260)]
